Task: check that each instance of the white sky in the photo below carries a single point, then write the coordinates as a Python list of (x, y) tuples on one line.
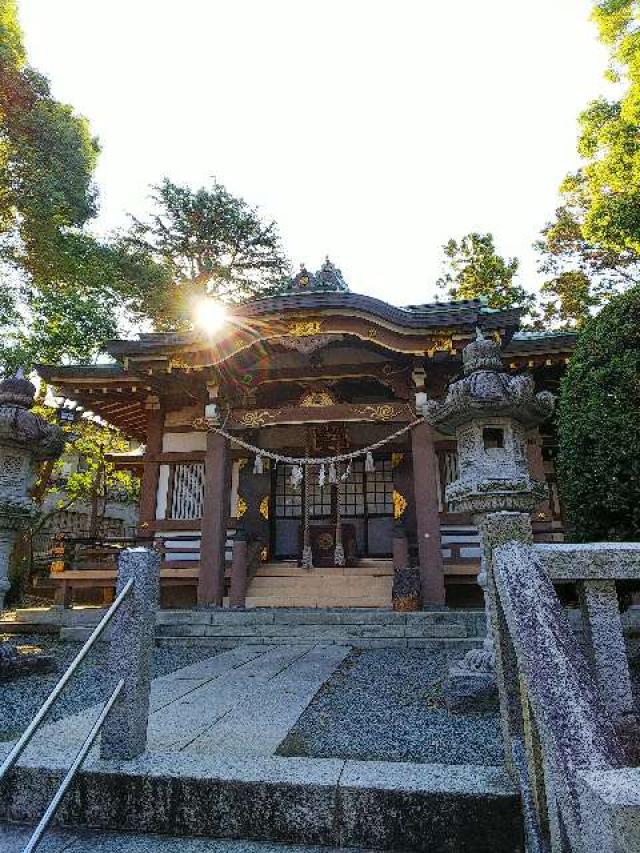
[(372, 131)]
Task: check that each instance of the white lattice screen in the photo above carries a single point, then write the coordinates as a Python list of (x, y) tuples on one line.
[(187, 490)]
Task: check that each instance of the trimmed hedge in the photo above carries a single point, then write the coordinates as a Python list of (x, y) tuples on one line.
[(599, 426)]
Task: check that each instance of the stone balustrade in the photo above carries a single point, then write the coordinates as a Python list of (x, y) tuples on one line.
[(566, 705)]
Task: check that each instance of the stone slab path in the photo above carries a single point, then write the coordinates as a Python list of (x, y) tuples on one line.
[(242, 701), (14, 838)]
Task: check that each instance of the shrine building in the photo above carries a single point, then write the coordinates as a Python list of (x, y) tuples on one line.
[(295, 426)]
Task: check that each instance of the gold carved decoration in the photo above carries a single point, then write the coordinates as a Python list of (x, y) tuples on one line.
[(444, 344), (380, 412), (372, 333), (264, 554), (399, 504), (317, 399), (305, 328), (242, 462), (241, 507), (264, 507), (178, 362), (396, 459), (257, 419)]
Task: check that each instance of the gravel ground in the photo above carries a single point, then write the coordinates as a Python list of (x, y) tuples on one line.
[(386, 705), (22, 696)]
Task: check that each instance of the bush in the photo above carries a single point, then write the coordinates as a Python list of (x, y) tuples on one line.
[(599, 426)]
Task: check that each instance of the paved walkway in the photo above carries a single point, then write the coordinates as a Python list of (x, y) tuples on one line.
[(242, 701), (14, 838)]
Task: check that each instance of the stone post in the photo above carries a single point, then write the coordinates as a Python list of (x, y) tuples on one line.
[(124, 735), (605, 646), (238, 590), (25, 440), (490, 413)]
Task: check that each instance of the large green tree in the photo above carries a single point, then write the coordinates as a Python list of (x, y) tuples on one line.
[(474, 269), (63, 291), (599, 425), (213, 243), (592, 247)]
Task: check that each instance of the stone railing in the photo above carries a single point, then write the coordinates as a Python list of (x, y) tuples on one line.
[(566, 702)]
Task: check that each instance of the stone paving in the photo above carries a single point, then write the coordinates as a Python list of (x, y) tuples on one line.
[(241, 701), (14, 838)]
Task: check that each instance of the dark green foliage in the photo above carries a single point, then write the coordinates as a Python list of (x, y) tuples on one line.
[(599, 426), (211, 243)]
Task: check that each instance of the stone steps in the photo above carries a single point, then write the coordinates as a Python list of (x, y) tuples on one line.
[(361, 628), (329, 802)]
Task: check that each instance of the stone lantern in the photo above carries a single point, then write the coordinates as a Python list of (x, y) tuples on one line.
[(490, 414), (25, 440)]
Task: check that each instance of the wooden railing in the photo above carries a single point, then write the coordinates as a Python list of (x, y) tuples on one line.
[(567, 707)]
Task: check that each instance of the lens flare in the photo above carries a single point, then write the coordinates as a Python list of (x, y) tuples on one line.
[(208, 315)]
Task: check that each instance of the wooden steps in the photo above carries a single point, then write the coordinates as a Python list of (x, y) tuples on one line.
[(285, 584)]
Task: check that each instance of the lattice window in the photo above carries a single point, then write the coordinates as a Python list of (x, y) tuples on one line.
[(320, 498), (187, 490), (352, 492), (380, 488), (288, 497)]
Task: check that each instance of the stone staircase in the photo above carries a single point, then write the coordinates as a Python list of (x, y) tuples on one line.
[(285, 584)]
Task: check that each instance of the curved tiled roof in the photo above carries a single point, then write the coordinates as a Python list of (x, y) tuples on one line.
[(464, 314)]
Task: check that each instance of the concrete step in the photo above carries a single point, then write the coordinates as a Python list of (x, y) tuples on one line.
[(329, 802)]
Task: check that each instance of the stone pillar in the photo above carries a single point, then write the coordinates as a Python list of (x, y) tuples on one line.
[(425, 478), (605, 647), (8, 538), (151, 472), (238, 591), (124, 735), (214, 522)]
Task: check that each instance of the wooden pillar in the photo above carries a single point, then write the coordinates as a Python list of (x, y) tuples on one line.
[(425, 480), (536, 467), (214, 522), (151, 473)]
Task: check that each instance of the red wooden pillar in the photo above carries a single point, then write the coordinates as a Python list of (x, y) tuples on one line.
[(425, 480), (151, 472), (214, 522)]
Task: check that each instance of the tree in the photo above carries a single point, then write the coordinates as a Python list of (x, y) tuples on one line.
[(212, 243), (599, 425), (54, 273), (594, 240), (473, 269)]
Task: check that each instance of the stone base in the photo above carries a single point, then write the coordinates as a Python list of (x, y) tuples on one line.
[(14, 663), (467, 690)]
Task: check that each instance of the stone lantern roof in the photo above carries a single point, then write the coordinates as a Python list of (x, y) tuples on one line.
[(20, 427), (486, 390)]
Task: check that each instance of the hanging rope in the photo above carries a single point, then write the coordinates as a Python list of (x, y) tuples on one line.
[(203, 423)]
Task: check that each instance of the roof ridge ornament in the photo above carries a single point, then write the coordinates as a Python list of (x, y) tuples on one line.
[(327, 278)]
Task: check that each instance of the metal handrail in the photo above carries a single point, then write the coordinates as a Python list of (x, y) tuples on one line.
[(31, 729), (47, 817)]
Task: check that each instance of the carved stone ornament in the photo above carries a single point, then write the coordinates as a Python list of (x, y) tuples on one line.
[(25, 440)]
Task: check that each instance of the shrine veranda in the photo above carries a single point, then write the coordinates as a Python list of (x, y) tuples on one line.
[(314, 374)]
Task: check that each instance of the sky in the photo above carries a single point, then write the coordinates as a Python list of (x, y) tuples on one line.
[(370, 131)]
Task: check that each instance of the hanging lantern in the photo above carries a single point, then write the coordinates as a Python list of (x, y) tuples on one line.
[(322, 476), (333, 474), (258, 465), (369, 464), (297, 475)]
